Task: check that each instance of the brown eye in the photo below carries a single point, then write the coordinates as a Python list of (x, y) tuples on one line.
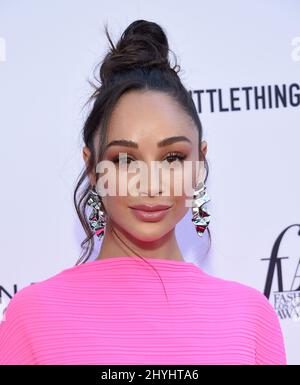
[(174, 156), (121, 159)]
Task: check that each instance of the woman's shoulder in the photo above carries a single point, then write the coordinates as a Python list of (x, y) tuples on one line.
[(27, 297), (45, 290), (235, 289), (230, 291)]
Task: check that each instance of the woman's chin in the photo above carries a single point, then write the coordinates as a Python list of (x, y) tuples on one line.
[(148, 233)]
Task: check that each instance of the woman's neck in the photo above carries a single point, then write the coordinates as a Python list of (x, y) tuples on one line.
[(117, 242)]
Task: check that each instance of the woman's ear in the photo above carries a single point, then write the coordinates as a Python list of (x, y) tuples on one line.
[(201, 169), (86, 155), (204, 147)]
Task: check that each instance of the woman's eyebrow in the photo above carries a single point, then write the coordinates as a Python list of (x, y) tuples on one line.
[(173, 139), (164, 142)]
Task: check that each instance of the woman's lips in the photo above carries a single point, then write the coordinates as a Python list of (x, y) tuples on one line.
[(150, 216)]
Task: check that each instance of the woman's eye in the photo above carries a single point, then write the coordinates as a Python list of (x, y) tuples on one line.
[(174, 157), (170, 158), (121, 159)]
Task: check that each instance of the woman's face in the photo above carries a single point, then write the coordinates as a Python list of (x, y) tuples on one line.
[(146, 118)]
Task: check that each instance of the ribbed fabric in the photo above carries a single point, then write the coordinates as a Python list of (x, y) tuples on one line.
[(115, 311)]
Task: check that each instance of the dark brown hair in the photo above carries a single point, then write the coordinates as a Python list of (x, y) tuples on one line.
[(139, 61)]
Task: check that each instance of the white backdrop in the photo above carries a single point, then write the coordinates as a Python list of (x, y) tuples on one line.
[(48, 50)]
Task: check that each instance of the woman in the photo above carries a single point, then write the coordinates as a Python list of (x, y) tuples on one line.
[(115, 310)]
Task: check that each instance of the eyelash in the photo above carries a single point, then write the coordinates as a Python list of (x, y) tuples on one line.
[(178, 155)]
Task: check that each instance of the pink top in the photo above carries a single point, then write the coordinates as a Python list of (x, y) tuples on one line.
[(115, 311)]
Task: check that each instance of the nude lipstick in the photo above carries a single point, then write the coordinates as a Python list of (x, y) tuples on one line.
[(150, 213)]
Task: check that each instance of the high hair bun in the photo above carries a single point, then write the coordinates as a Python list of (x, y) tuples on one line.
[(143, 44)]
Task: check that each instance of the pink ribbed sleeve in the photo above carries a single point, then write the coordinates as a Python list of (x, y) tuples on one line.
[(270, 347), (115, 311), (15, 346)]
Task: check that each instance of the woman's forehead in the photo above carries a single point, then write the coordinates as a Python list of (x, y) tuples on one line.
[(148, 113)]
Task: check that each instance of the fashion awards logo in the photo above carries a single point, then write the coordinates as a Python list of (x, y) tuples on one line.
[(287, 296)]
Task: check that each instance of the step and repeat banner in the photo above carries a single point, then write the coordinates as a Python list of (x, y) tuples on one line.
[(241, 62)]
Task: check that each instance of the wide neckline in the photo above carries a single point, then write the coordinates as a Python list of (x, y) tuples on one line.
[(149, 259), (158, 262)]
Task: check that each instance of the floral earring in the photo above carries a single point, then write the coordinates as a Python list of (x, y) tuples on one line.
[(97, 219), (201, 215)]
